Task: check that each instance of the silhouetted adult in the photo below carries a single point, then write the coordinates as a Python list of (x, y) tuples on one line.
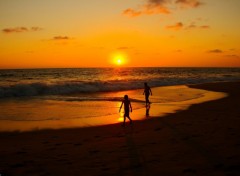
[(147, 91)]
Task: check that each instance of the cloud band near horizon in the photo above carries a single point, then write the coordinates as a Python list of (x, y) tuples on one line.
[(152, 7), (21, 30)]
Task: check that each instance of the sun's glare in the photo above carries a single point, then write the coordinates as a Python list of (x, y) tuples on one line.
[(119, 59)]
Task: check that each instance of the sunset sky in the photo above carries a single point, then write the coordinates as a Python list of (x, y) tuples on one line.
[(141, 33)]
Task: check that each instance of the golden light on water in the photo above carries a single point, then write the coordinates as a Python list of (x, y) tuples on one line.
[(120, 119)]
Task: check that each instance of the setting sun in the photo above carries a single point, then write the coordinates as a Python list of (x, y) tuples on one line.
[(119, 59)]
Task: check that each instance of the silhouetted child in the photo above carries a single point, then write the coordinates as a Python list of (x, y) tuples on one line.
[(127, 105)]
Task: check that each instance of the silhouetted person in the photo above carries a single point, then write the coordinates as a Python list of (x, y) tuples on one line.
[(147, 91), (127, 106)]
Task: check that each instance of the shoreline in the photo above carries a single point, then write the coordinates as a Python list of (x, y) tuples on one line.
[(166, 100), (202, 140)]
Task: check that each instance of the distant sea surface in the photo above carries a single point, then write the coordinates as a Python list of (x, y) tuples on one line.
[(42, 82), (38, 95)]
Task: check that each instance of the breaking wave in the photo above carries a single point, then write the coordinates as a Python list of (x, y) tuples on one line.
[(26, 83)]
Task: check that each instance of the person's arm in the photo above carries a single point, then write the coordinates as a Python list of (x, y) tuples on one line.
[(120, 107)]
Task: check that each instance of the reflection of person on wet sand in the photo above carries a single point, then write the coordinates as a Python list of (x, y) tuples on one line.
[(127, 105)]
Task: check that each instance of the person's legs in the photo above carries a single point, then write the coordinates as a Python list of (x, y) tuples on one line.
[(147, 99), (124, 119), (129, 119)]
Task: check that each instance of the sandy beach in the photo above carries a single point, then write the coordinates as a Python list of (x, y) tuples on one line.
[(202, 140)]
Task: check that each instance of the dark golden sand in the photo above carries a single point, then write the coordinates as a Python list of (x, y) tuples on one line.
[(203, 140)]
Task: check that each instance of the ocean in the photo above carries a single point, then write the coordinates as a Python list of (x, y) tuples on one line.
[(37, 95)]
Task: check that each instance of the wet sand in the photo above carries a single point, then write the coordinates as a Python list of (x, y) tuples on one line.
[(36, 114), (203, 140)]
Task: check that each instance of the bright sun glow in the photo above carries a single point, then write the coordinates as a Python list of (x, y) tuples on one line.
[(119, 59)]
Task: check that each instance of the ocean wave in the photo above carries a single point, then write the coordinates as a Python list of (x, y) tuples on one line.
[(28, 88), (94, 98), (64, 88)]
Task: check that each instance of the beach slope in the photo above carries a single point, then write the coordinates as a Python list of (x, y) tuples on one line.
[(203, 140)]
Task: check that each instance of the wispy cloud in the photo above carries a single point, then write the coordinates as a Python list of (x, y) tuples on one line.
[(146, 10), (233, 56), (177, 51), (204, 27), (194, 26), (180, 25), (124, 48), (132, 13), (61, 38), (21, 29), (176, 26), (215, 51), (189, 3), (36, 29), (151, 7)]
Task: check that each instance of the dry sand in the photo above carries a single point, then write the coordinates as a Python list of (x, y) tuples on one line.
[(203, 140)]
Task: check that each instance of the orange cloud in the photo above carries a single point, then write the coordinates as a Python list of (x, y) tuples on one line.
[(176, 26), (189, 3), (160, 7), (36, 29), (193, 26), (178, 51), (132, 13), (148, 9), (205, 27), (15, 30), (20, 29), (61, 38), (180, 25), (233, 56), (124, 48), (215, 51)]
